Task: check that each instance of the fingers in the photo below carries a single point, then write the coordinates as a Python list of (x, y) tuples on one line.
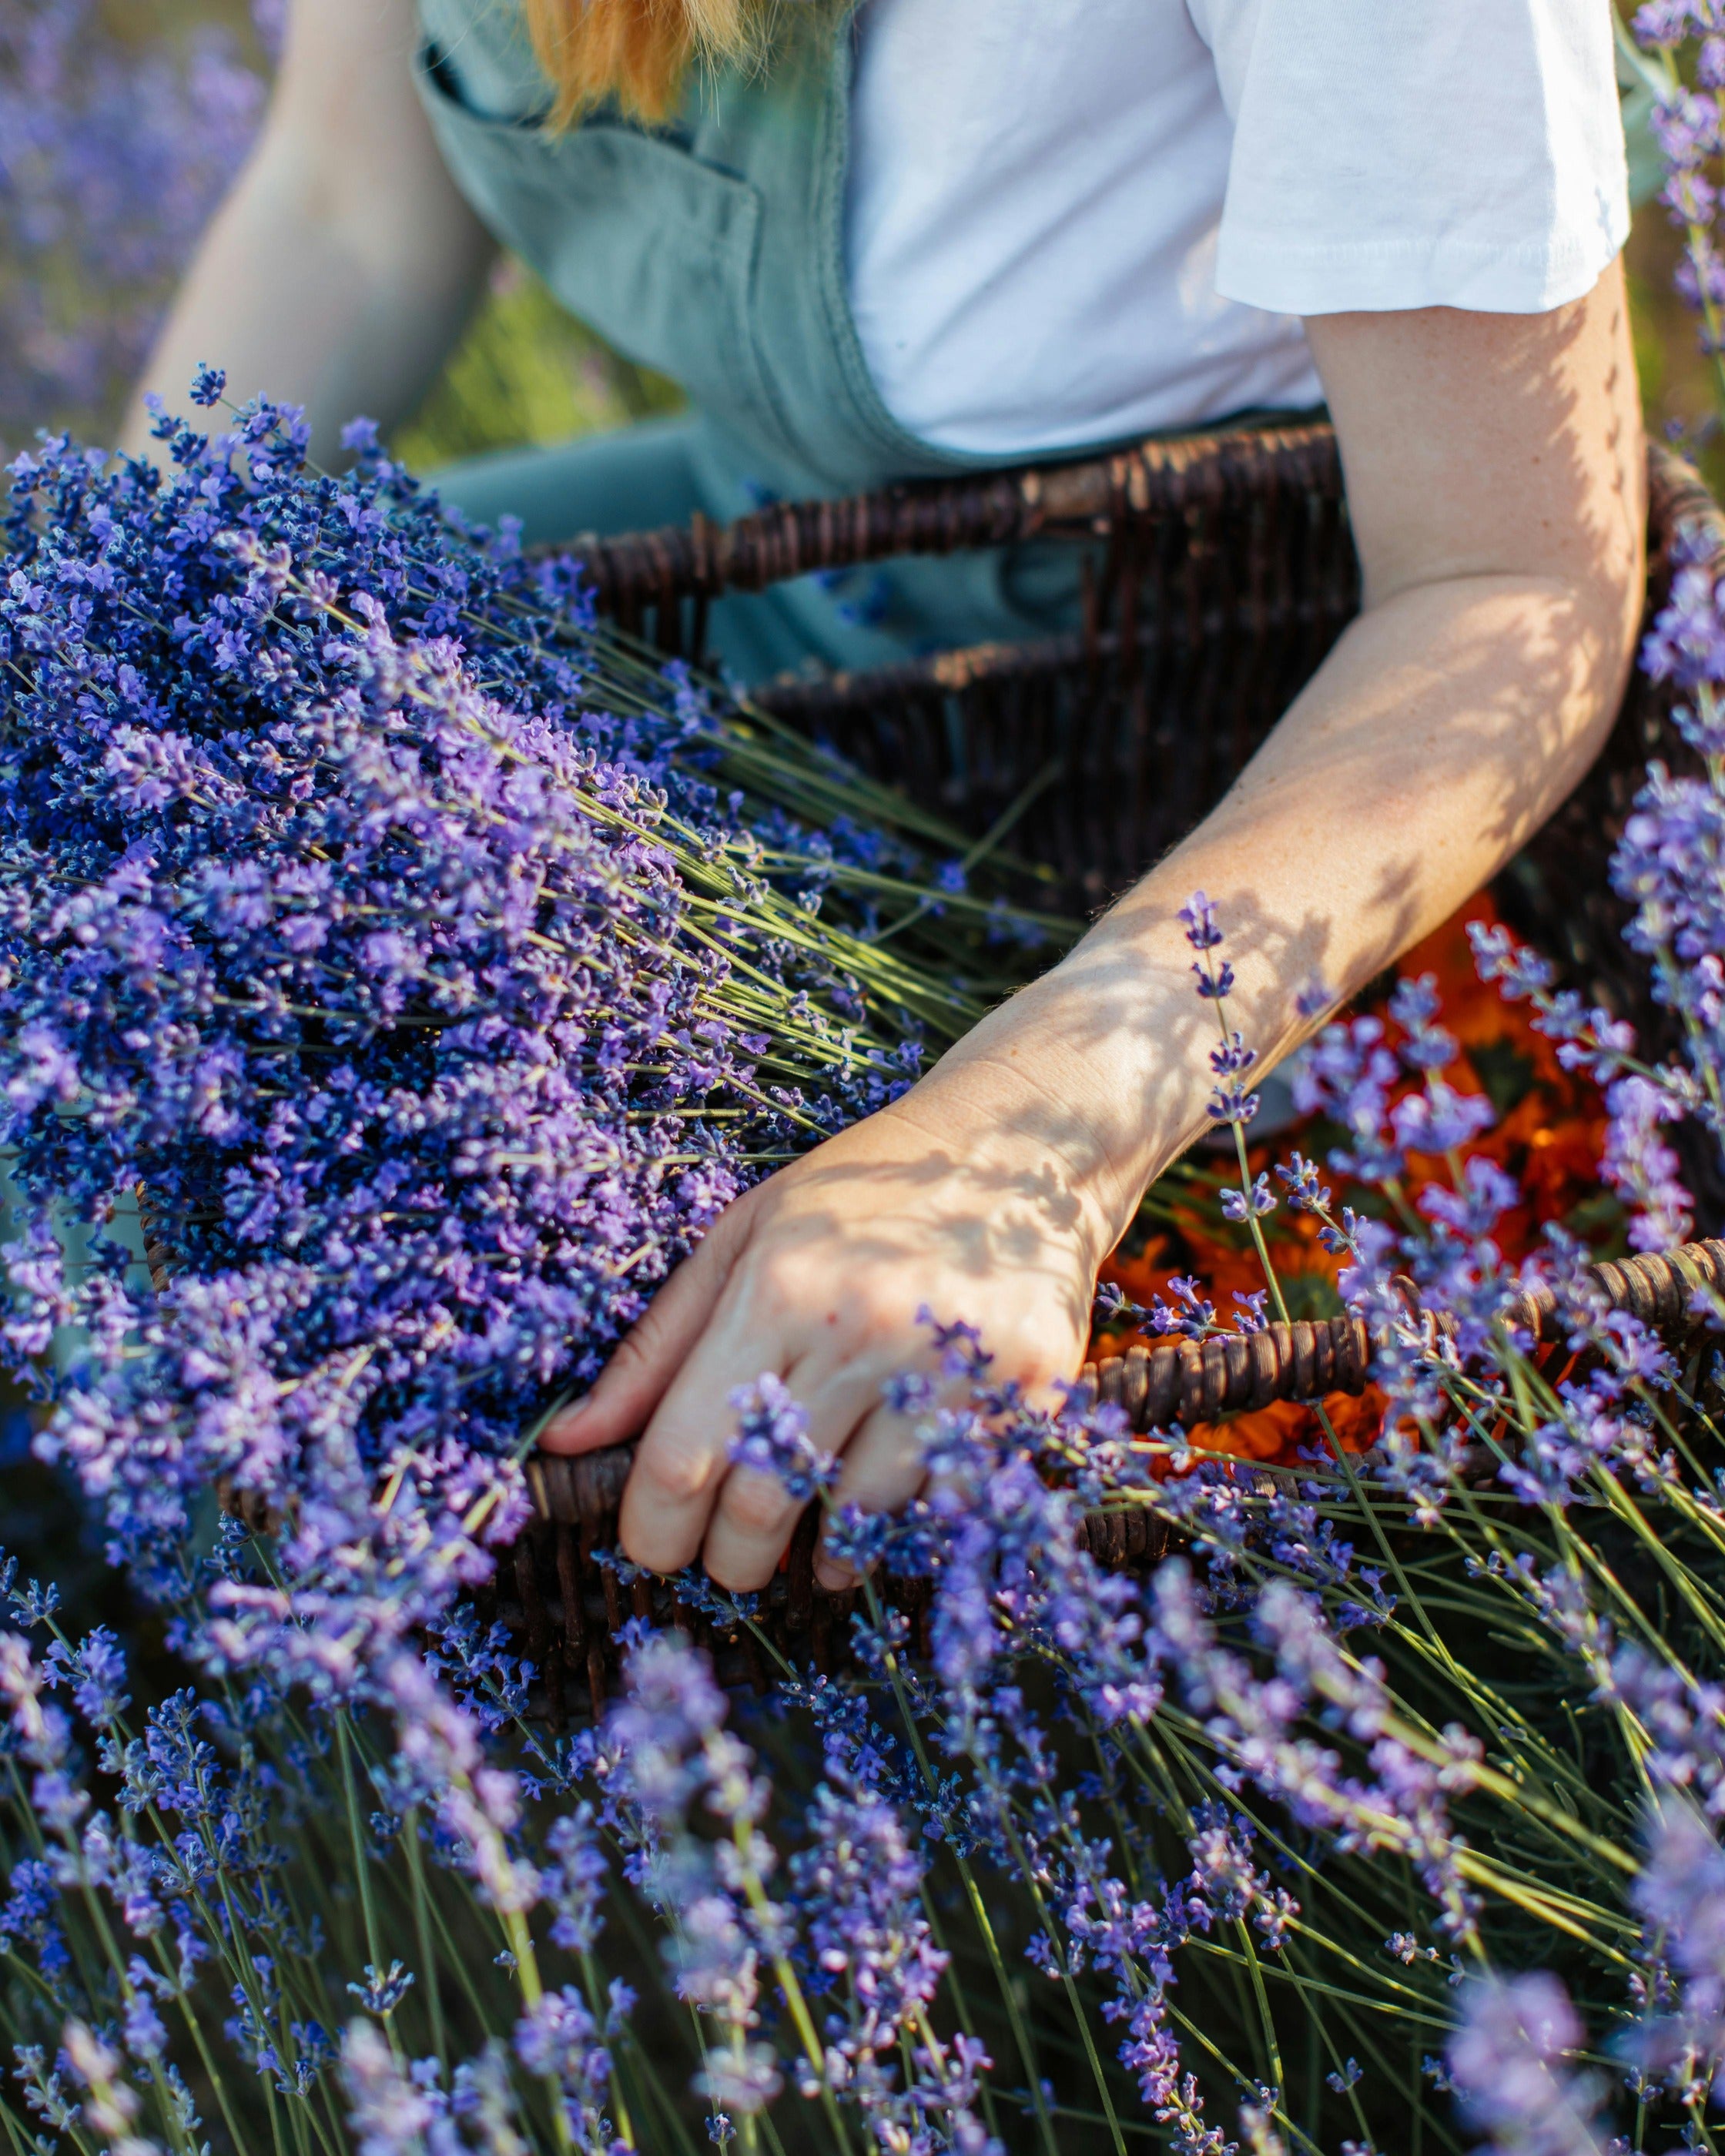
[(751, 1523), (883, 1469), (646, 1361), (886, 1465), (684, 1499), (755, 1515), (683, 1457)]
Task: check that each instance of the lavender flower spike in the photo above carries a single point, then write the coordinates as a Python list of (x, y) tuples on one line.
[(772, 1439), (1680, 1894), (1507, 2062)]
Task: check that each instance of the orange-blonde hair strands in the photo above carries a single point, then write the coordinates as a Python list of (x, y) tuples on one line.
[(637, 51)]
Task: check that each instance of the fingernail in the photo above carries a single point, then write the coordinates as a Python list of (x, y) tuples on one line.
[(835, 1578)]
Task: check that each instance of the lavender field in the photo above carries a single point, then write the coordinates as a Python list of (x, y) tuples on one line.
[(400, 970)]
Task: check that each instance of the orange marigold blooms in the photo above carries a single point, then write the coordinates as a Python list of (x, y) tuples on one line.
[(1548, 1139)]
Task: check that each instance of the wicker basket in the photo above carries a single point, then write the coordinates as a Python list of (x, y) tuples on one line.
[(1218, 571), (564, 1604), (1221, 571)]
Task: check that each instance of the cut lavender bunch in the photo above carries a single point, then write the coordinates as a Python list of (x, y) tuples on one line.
[(418, 955)]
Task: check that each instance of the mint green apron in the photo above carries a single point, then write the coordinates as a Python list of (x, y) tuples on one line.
[(713, 251)]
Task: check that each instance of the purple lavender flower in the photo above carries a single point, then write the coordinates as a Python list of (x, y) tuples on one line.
[(1440, 1120), (1185, 1309), (866, 1941), (1681, 1895), (574, 1882), (483, 2101), (912, 1392), (112, 156), (1224, 1883), (1306, 1192), (436, 1019), (1230, 1103), (772, 1439), (95, 1671), (1255, 1203), (1114, 1306), (1639, 1164), (1198, 916), (1508, 2062), (391, 2113), (146, 2037), (112, 2107), (559, 2039), (1347, 1073), (664, 1747), (439, 1759)]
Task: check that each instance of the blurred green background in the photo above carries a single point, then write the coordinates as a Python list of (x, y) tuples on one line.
[(527, 373)]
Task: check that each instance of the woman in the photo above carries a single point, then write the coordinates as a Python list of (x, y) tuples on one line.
[(918, 236)]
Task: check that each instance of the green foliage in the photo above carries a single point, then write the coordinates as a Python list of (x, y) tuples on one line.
[(526, 373)]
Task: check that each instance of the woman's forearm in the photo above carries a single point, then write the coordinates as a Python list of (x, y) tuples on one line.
[(1447, 726), (1495, 481), (1497, 485), (344, 262), (1450, 720), (294, 310)]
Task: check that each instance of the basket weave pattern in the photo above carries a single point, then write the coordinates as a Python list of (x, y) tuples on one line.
[(1220, 570)]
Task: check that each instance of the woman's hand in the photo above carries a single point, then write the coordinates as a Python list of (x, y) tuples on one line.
[(947, 1200)]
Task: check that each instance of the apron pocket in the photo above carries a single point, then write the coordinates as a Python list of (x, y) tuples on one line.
[(650, 245)]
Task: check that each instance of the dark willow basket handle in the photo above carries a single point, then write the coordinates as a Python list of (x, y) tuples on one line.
[(1142, 485), (1190, 1382)]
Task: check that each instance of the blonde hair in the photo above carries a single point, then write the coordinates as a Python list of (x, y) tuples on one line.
[(637, 51)]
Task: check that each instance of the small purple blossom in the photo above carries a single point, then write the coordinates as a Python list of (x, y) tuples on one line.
[(390, 2112), (1255, 1203), (1509, 2065), (1681, 1895), (772, 1439)]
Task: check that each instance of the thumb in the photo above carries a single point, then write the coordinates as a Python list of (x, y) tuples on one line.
[(651, 1352)]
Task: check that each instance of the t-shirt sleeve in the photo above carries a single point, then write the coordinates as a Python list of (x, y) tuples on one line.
[(1417, 153)]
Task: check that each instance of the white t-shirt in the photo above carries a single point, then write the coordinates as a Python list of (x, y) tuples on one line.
[(1073, 220)]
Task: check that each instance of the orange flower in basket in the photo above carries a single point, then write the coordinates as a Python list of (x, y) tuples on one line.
[(1547, 1137)]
